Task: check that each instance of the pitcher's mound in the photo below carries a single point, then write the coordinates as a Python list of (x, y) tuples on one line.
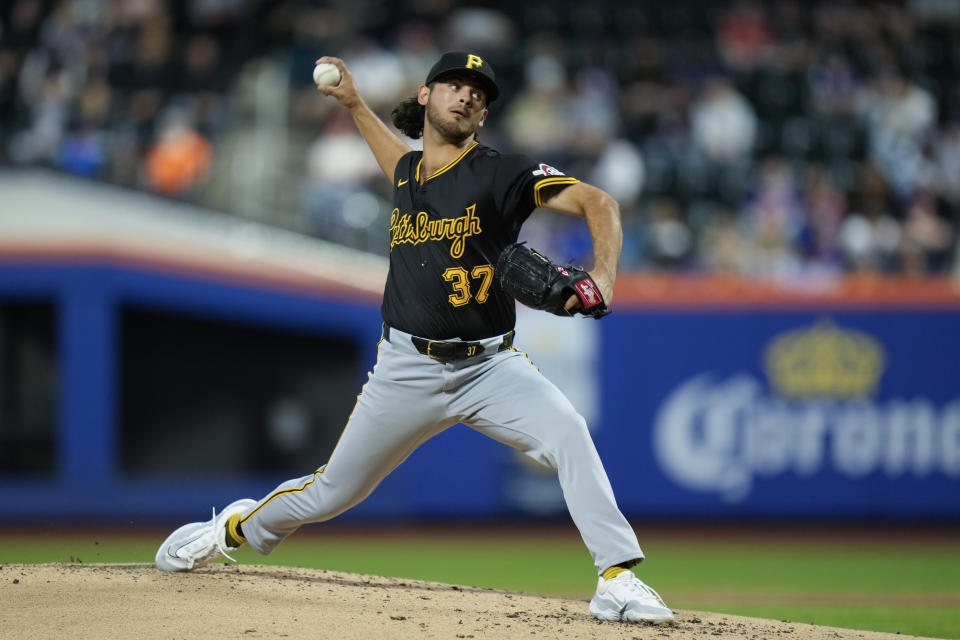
[(137, 601)]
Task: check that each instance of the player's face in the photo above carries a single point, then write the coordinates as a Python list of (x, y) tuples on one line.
[(455, 107)]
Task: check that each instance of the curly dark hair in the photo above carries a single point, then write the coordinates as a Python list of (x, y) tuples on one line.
[(408, 117)]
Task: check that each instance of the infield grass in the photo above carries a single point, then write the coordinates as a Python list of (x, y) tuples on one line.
[(894, 587)]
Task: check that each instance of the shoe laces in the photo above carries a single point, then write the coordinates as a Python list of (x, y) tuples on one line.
[(638, 586), (217, 536)]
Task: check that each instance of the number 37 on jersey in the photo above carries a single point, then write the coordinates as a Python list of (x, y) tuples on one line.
[(467, 285)]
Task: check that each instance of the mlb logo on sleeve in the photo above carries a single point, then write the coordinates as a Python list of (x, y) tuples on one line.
[(547, 170)]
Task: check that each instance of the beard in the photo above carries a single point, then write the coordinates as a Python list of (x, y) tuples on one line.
[(455, 131)]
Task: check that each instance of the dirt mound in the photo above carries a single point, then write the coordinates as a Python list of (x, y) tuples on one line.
[(137, 601)]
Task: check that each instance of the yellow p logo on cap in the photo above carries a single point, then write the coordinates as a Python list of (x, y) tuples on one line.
[(474, 61)]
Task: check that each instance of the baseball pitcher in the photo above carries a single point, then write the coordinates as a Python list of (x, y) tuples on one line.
[(447, 353)]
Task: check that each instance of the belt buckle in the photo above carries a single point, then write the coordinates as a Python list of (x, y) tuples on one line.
[(470, 349)]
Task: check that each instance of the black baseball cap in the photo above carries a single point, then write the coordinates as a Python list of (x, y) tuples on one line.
[(464, 61)]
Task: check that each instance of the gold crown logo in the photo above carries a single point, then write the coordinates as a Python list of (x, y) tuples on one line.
[(824, 360)]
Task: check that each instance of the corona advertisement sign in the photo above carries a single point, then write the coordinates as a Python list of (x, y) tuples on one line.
[(846, 415)]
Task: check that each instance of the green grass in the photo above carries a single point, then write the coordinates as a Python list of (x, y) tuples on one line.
[(815, 568), (894, 587), (914, 591), (84, 547)]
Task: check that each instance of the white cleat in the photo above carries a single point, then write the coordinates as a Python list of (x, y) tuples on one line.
[(199, 543), (625, 598)]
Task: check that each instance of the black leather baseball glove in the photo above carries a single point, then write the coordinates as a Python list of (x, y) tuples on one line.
[(531, 278)]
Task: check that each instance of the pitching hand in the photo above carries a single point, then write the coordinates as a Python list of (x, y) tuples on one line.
[(345, 92)]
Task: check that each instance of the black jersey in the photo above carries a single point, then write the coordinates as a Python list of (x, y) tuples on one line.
[(446, 235)]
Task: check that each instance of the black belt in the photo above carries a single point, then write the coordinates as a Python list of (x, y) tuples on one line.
[(451, 351)]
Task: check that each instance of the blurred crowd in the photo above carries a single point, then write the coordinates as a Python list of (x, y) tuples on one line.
[(775, 140)]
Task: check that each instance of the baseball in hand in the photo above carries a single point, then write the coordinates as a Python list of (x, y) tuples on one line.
[(326, 74)]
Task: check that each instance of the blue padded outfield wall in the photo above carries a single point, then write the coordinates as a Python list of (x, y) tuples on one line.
[(835, 414), (799, 411)]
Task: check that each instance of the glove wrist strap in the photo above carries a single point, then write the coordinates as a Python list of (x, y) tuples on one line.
[(589, 295)]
